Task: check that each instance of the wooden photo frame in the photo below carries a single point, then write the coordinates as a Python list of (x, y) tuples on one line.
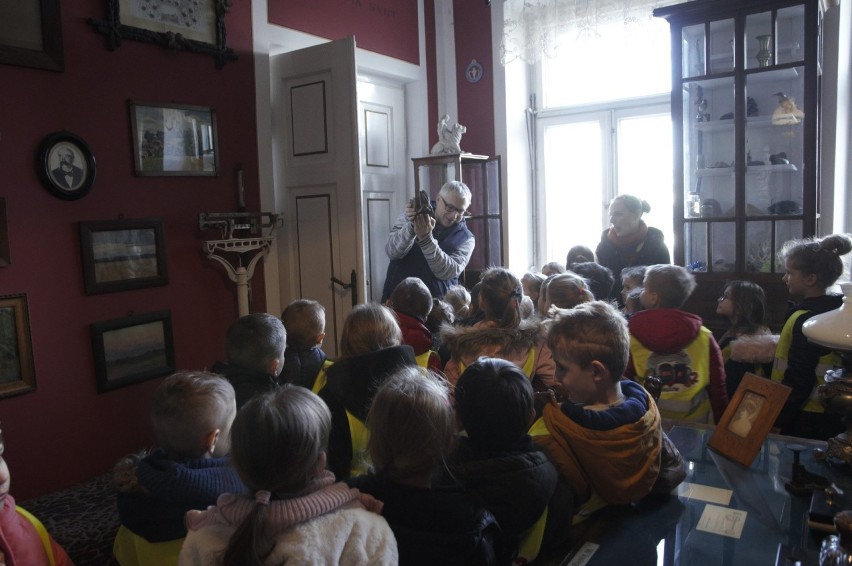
[(748, 419), (31, 35), (197, 27), (174, 140), (66, 166), (17, 369), (119, 255), (133, 349)]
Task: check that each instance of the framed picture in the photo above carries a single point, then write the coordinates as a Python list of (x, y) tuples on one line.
[(170, 139), (133, 349), (66, 166), (5, 254), (123, 254), (31, 34), (179, 25), (17, 370), (748, 418)]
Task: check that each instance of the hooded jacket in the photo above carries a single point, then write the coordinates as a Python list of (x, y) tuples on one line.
[(416, 335), (352, 384), (524, 346), (651, 251), (669, 331)]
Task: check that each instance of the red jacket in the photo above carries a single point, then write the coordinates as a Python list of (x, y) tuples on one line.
[(416, 335), (667, 331)]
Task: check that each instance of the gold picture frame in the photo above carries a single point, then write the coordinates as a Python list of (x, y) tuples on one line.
[(748, 419)]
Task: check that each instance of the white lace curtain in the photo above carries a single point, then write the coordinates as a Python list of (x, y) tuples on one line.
[(533, 29)]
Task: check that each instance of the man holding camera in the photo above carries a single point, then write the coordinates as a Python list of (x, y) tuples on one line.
[(431, 242)]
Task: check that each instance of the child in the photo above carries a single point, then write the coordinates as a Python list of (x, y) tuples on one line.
[(812, 266), (607, 442), (673, 345), (411, 426), (371, 350), (552, 268), (531, 282), (566, 291), (498, 462), (599, 278), (474, 313), (191, 413), (442, 313), (298, 514), (304, 359), (747, 346), (23, 538), (255, 346), (411, 302), (579, 254), (459, 298), (633, 302), (502, 334), (631, 278)]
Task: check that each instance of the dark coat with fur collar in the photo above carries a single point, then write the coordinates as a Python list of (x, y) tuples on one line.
[(466, 344)]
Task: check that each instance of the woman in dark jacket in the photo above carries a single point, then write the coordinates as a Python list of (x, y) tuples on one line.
[(629, 241)]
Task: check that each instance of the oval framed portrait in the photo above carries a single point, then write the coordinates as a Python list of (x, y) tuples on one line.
[(66, 165)]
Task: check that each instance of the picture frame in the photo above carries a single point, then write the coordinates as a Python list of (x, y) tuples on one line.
[(119, 255), (31, 35), (17, 368), (197, 27), (132, 349), (66, 165), (174, 140), (748, 419)]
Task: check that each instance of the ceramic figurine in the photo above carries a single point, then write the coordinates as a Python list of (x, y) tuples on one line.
[(449, 137), (787, 113)]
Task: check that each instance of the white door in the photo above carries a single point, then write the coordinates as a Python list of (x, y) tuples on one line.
[(315, 126), (381, 110)]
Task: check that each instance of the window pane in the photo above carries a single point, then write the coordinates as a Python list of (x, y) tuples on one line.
[(645, 167), (616, 65), (573, 177)]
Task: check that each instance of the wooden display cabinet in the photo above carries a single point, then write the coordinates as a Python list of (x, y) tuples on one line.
[(481, 174), (745, 108)]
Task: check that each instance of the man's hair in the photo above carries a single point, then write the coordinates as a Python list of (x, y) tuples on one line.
[(458, 189), (368, 328), (672, 283), (599, 277), (186, 407), (494, 402), (304, 321), (411, 424), (254, 340), (591, 331), (412, 297)]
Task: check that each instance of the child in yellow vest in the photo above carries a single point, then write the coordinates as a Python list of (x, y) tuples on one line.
[(411, 302), (607, 442), (673, 345), (812, 266)]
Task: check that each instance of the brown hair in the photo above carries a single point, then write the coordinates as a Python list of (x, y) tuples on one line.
[(369, 328), (820, 257), (591, 331), (412, 297), (500, 297), (304, 321), (673, 283)]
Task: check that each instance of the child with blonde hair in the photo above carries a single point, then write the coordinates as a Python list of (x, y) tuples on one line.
[(371, 349), (191, 413), (459, 298), (531, 282), (565, 291), (503, 333), (297, 513), (811, 267), (304, 358), (411, 425)]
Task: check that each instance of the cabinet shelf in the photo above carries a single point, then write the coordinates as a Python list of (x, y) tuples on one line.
[(751, 170)]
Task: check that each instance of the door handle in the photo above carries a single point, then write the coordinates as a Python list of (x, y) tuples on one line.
[(351, 286)]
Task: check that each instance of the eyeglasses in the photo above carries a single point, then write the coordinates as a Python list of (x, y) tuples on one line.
[(451, 208)]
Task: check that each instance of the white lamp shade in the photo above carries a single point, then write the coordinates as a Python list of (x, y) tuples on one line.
[(833, 329)]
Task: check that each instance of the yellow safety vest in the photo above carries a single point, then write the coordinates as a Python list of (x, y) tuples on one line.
[(423, 359), (528, 368), (360, 435), (42, 533), (680, 401), (131, 549), (782, 352), (322, 377)]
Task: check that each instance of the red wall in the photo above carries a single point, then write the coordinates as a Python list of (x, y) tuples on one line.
[(388, 27), (66, 432), (475, 100)]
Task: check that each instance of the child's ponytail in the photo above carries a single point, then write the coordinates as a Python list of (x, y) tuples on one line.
[(248, 546)]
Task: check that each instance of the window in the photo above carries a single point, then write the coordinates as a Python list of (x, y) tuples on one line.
[(605, 130)]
